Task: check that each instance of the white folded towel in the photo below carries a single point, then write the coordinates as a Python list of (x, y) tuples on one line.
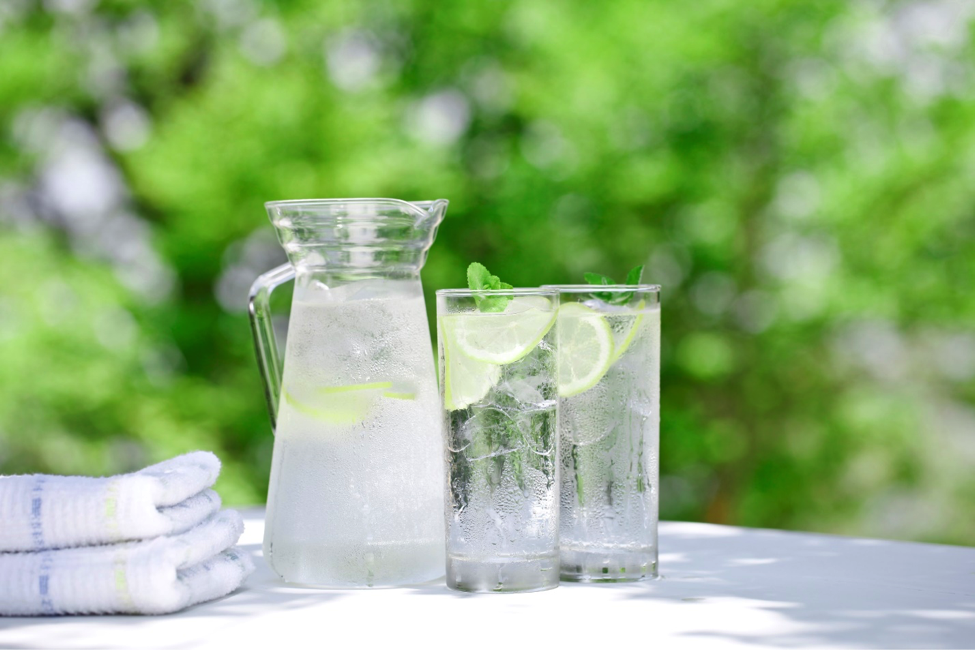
[(43, 512), (155, 576)]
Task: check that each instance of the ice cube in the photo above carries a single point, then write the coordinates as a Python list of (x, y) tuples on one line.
[(524, 390)]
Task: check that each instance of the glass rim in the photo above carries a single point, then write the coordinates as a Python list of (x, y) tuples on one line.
[(301, 203), (595, 288), (517, 291)]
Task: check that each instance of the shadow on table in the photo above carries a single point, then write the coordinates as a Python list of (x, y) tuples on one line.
[(827, 590)]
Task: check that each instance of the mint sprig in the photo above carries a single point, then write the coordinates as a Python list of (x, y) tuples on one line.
[(480, 279), (614, 298)]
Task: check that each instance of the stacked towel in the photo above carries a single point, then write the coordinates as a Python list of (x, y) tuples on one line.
[(150, 542)]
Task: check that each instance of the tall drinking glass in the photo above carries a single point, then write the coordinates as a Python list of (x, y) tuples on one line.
[(498, 376), (609, 419)]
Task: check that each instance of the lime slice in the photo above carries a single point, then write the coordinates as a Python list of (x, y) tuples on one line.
[(351, 388), (631, 333), (394, 395), (585, 348), (505, 337), (465, 380), (349, 404), (404, 390)]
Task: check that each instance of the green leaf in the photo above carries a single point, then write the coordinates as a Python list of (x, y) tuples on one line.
[(480, 279), (635, 275), (596, 278), (491, 304)]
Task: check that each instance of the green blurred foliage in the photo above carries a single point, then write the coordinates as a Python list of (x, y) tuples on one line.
[(795, 173)]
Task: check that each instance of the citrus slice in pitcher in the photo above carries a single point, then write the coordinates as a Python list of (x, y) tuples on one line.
[(347, 404)]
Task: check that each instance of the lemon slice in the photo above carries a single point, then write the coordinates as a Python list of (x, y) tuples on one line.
[(505, 337), (465, 380), (622, 346), (585, 348), (349, 404)]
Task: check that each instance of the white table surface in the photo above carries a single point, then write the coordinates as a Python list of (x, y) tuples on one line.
[(722, 587)]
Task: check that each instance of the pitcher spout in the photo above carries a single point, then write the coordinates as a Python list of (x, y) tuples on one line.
[(438, 210)]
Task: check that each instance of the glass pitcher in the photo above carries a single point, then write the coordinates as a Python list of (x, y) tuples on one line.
[(356, 491)]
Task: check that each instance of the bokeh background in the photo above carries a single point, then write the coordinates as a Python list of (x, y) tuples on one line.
[(798, 175)]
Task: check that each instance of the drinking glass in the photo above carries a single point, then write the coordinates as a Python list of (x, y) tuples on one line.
[(609, 418), (498, 375)]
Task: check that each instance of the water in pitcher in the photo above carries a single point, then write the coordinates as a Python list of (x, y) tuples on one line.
[(356, 492)]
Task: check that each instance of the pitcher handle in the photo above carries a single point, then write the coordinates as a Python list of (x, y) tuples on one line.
[(266, 348)]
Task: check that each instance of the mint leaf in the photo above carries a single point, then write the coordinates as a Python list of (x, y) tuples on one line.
[(491, 304), (635, 275), (480, 279), (614, 298), (595, 278), (600, 280)]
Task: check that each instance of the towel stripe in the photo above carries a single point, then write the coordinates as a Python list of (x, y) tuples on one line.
[(44, 583), (36, 504), (37, 537)]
